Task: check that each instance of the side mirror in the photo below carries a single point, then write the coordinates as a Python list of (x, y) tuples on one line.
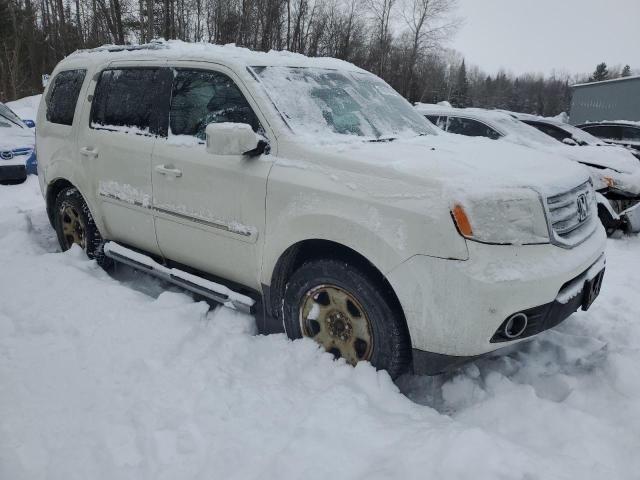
[(29, 123), (570, 141), (233, 139)]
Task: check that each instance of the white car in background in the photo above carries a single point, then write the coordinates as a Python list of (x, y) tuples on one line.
[(17, 148), (614, 171)]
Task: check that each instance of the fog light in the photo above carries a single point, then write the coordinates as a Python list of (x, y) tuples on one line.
[(515, 326)]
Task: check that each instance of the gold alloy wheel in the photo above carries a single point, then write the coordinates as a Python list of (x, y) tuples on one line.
[(335, 319), (73, 228)]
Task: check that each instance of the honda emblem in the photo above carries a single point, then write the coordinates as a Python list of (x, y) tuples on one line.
[(583, 207)]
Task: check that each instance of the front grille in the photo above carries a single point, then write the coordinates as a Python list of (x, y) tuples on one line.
[(571, 215)]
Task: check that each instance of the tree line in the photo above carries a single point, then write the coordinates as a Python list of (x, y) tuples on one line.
[(400, 40)]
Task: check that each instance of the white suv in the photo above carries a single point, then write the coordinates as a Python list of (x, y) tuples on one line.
[(310, 187)]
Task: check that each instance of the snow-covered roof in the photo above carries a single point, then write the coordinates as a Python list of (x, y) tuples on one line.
[(445, 109), (621, 79), (226, 54)]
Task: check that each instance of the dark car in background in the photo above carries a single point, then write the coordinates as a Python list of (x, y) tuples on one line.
[(620, 132)]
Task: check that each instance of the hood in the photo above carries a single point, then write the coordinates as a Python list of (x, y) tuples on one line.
[(454, 163), (606, 156), (12, 137)]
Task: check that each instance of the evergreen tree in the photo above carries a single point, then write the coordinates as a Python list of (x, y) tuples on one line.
[(601, 73), (626, 71), (460, 94)]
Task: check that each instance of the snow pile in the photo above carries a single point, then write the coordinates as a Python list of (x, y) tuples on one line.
[(26, 108), (118, 378)]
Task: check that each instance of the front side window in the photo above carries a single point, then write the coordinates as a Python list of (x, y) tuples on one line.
[(550, 130), (471, 128), (63, 95), (319, 103), (134, 100), (438, 120), (203, 97)]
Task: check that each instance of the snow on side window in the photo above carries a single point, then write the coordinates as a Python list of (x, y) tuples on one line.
[(203, 97), (321, 102), (63, 96), (133, 100)]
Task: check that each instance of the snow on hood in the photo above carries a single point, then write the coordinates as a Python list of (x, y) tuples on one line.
[(461, 164), (12, 137), (607, 156)]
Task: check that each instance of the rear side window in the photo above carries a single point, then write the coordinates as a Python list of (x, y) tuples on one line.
[(63, 96), (133, 100), (203, 97)]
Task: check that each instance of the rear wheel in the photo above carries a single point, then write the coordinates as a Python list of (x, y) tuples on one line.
[(75, 226), (346, 312)]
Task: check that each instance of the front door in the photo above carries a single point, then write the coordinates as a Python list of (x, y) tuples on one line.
[(210, 209), (128, 112)]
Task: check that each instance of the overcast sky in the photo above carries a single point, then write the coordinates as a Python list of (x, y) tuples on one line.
[(541, 35)]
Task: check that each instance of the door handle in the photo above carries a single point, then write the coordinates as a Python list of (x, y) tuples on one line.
[(172, 172), (89, 152)]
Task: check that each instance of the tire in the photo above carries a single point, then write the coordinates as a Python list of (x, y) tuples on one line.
[(74, 223), (611, 225), (330, 301)]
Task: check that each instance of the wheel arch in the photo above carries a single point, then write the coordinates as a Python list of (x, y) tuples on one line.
[(53, 189), (314, 249)]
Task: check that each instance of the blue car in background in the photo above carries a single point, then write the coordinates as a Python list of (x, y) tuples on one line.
[(17, 148)]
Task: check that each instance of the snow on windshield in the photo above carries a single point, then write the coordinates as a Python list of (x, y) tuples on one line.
[(322, 102)]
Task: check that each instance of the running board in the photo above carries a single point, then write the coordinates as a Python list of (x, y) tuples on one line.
[(201, 286)]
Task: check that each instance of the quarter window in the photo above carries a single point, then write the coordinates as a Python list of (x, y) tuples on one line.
[(134, 100), (203, 97), (63, 95)]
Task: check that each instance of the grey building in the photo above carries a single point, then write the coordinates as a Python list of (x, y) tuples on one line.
[(617, 99)]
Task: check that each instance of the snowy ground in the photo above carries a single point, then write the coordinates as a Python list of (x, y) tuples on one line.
[(114, 377)]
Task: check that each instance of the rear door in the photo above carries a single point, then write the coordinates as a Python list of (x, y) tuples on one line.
[(210, 209), (128, 112)]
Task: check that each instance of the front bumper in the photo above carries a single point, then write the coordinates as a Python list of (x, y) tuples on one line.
[(454, 308)]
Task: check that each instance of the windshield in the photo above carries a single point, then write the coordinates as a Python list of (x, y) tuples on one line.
[(511, 126), (6, 115), (322, 102)]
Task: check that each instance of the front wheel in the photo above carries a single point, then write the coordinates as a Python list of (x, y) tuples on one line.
[(74, 225), (348, 314)]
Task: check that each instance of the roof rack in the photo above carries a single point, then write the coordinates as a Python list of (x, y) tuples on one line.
[(152, 45)]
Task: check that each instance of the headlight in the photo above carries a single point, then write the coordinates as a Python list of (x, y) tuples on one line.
[(508, 217)]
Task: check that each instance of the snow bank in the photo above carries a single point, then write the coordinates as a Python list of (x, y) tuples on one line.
[(26, 108), (116, 377)]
